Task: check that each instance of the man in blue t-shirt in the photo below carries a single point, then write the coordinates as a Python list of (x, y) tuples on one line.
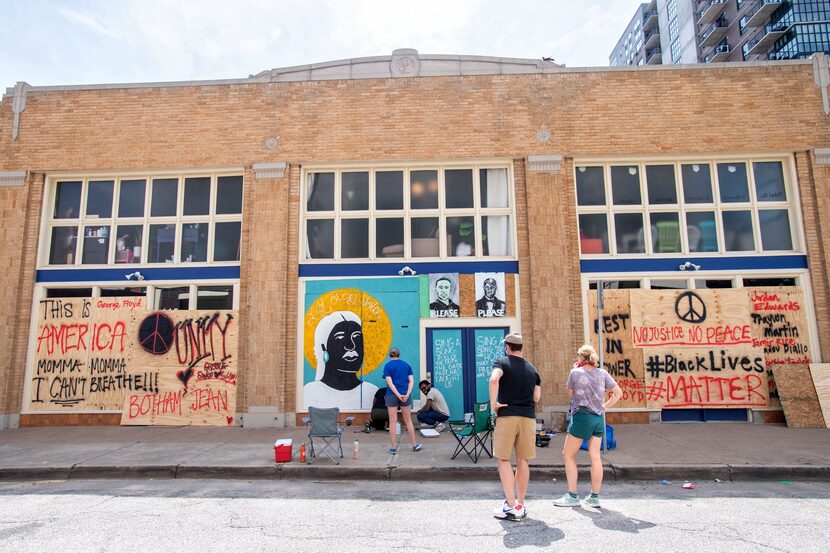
[(399, 382)]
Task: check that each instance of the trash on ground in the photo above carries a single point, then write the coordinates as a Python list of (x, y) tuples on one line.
[(785, 482), (665, 482), (688, 485)]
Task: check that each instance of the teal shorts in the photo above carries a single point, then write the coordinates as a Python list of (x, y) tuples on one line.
[(585, 424)]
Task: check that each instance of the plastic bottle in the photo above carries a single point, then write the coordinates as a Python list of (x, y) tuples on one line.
[(356, 449), (302, 453)]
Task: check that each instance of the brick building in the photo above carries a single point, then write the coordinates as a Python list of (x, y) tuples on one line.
[(287, 200)]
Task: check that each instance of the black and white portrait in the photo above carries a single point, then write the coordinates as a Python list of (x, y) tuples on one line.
[(490, 295), (443, 295)]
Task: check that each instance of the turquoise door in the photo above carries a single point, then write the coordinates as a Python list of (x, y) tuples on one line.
[(460, 361)]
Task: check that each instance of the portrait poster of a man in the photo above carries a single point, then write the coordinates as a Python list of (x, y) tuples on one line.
[(490, 299), (443, 295)]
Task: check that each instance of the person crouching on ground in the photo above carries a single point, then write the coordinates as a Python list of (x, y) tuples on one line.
[(515, 387), (399, 381), (587, 385), (435, 411)]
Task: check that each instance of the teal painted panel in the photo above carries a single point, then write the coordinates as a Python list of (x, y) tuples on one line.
[(488, 347), (350, 324), (447, 368)]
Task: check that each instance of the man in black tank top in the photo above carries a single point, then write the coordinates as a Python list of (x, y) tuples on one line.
[(515, 387)]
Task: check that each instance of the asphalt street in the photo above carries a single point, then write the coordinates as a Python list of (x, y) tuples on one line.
[(362, 516)]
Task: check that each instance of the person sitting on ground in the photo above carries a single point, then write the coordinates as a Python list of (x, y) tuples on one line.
[(435, 411), (379, 416)]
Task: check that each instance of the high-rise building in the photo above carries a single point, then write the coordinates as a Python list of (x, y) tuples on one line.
[(705, 31)]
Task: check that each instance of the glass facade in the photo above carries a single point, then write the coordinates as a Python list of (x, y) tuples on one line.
[(807, 24)]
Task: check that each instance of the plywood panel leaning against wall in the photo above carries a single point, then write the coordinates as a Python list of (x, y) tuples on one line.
[(195, 356), (619, 357), (821, 380), (798, 396), (779, 326), (80, 349)]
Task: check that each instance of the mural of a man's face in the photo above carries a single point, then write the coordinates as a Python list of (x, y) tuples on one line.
[(345, 347), (443, 288), (490, 288)]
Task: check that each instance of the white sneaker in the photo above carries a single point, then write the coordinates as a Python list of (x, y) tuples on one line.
[(506, 512), (440, 427)]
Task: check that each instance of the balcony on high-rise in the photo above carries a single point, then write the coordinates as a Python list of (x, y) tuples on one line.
[(713, 33), (654, 56), (652, 38), (720, 53), (762, 40), (711, 10), (760, 12), (650, 20)]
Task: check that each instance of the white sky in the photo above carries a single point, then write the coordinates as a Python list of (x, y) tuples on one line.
[(53, 42)]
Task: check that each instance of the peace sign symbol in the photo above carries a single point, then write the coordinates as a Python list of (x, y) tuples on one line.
[(690, 308), (156, 333)]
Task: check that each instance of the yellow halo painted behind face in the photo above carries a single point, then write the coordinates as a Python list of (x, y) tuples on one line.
[(377, 330)]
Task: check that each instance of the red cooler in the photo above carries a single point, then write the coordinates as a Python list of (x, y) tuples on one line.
[(282, 451)]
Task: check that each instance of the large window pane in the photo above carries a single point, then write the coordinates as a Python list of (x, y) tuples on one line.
[(697, 183), (629, 233), (197, 196), (775, 229), (625, 185), (320, 192), (662, 188), (769, 181), (214, 297), (128, 243), (99, 199), (495, 235), (131, 198), (226, 238), (760, 282), (162, 241), (593, 233), (67, 200), (669, 284), (665, 232), (355, 192), (733, 183), (713, 284), (138, 291), (164, 202), (702, 231), (354, 238), (424, 232), (64, 242), (229, 195), (389, 237), (590, 186), (320, 236), (737, 231), (194, 242), (461, 236), (423, 189), (458, 187), (172, 298), (389, 190), (96, 245), (493, 187), (69, 293)]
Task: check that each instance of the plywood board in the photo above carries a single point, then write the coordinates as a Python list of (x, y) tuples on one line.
[(821, 381), (467, 294), (798, 396), (692, 318), (678, 377), (80, 354), (619, 357), (779, 326), (194, 355)]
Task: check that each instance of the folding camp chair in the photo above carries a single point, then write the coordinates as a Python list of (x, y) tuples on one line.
[(472, 436), (325, 426)]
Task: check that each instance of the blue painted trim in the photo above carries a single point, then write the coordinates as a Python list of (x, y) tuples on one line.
[(391, 269), (743, 263), (149, 273)]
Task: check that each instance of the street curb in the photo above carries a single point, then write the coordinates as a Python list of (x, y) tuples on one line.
[(615, 472)]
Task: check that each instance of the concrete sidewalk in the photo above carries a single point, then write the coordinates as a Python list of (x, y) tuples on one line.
[(645, 452)]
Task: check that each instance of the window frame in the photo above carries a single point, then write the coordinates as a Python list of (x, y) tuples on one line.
[(682, 208), (82, 221), (150, 288), (407, 213)]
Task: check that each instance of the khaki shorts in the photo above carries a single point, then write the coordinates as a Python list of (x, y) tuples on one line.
[(517, 433)]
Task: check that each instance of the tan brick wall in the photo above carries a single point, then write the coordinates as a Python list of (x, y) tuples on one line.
[(607, 113)]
